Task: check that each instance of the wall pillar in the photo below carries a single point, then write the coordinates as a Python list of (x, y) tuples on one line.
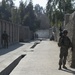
[(0, 33), (73, 41)]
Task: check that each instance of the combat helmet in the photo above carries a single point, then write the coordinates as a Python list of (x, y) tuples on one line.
[(65, 31)]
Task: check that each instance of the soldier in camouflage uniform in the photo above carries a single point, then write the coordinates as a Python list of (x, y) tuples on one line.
[(64, 44), (5, 40)]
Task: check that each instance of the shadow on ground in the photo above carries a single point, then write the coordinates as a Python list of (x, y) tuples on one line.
[(69, 71), (10, 48)]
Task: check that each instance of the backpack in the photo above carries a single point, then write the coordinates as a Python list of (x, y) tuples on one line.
[(64, 41)]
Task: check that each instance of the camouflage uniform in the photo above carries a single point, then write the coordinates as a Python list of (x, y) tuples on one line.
[(64, 44)]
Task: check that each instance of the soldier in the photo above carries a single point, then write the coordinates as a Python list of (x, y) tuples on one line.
[(5, 40), (64, 44)]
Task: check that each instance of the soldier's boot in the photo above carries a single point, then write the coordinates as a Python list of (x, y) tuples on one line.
[(60, 63), (59, 67), (64, 63), (64, 67)]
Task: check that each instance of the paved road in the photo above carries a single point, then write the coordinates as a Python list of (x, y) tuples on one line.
[(7, 56), (42, 60)]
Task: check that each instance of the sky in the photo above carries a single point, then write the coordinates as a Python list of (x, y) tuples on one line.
[(40, 2)]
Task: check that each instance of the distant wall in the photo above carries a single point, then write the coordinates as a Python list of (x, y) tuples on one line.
[(24, 33), (43, 33)]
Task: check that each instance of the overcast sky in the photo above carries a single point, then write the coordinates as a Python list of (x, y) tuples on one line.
[(40, 2)]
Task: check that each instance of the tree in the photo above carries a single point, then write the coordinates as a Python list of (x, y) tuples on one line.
[(42, 17), (39, 9), (66, 6), (15, 18), (62, 6), (10, 3), (5, 14), (5, 9), (23, 15), (30, 17), (21, 12)]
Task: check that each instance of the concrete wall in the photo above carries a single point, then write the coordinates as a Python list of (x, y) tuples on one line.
[(12, 31), (0, 33), (70, 26), (15, 32), (24, 33)]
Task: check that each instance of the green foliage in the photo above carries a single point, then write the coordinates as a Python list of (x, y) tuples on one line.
[(24, 15), (28, 17), (41, 17), (4, 12), (56, 9), (39, 9)]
